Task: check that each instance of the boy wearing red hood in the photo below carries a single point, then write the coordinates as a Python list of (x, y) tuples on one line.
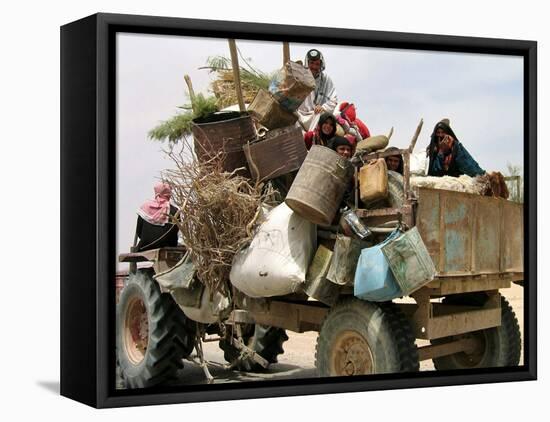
[(354, 129)]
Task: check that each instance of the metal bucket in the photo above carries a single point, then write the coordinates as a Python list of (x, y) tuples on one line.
[(320, 185), (227, 132)]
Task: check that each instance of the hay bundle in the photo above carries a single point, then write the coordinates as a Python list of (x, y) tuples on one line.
[(223, 86), (217, 213), (224, 90)]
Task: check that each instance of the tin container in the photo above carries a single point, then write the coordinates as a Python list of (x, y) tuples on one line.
[(319, 186), (226, 132), (282, 152)]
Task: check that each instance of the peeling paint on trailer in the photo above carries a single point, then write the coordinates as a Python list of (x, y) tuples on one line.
[(469, 234)]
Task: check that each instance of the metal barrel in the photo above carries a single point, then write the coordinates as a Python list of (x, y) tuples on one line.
[(226, 132), (319, 186)]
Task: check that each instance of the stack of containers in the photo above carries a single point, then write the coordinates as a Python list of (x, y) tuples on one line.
[(282, 151)]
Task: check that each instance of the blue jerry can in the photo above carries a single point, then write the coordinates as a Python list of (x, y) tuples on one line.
[(374, 280)]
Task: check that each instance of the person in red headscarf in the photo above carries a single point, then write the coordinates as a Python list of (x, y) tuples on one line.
[(354, 129), (154, 228)]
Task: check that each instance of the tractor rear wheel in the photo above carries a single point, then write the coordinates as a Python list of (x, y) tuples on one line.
[(153, 334)]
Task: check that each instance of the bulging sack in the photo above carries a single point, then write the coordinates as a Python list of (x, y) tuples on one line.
[(291, 85), (276, 262), (419, 163)]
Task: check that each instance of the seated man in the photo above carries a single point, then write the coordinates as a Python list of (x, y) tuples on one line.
[(154, 228), (323, 98), (447, 155), (394, 162)]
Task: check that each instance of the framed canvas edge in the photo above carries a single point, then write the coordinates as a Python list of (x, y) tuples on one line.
[(105, 195)]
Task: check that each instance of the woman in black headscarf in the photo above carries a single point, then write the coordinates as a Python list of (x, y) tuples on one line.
[(323, 133), (447, 155)]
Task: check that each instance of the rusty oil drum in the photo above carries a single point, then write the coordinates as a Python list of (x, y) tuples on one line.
[(319, 186), (224, 131)]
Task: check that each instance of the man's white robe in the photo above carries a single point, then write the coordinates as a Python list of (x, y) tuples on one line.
[(323, 95)]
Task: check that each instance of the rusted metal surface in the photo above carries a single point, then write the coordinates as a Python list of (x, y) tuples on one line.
[(239, 345), (297, 317), (226, 132), (435, 320), (392, 212), (282, 152), (319, 186), (439, 350), (316, 285), (162, 259), (443, 286), (409, 261), (344, 259), (512, 237), (468, 234), (170, 253), (239, 316), (375, 217)]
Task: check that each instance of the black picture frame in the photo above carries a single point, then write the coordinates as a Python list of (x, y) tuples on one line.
[(88, 162)]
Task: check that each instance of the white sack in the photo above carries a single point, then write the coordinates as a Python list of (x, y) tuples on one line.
[(276, 262), (419, 164)]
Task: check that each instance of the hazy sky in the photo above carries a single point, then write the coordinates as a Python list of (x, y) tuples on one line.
[(482, 95)]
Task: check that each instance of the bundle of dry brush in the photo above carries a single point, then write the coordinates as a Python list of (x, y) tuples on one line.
[(218, 211)]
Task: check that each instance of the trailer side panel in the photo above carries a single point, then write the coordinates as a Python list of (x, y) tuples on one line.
[(469, 234)]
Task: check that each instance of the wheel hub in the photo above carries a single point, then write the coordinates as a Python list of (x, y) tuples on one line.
[(476, 352), (136, 331), (351, 355)]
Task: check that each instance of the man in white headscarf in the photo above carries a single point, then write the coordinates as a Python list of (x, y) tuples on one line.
[(323, 98)]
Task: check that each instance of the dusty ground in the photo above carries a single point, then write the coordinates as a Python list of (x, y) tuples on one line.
[(298, 360)]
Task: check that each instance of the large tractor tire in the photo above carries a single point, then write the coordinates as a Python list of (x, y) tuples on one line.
[(497, 346), (264, 340), (153, 334), (359, 337)]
